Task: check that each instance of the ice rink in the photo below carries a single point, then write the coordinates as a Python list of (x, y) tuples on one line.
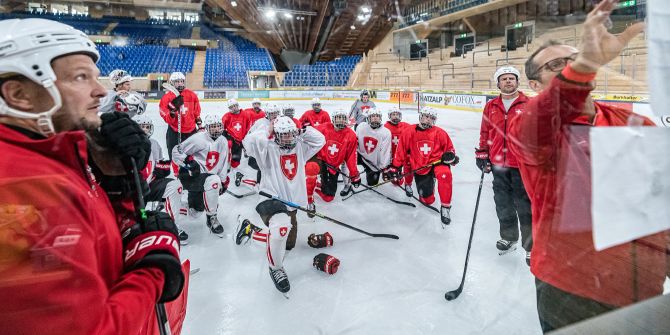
[(383, 286)]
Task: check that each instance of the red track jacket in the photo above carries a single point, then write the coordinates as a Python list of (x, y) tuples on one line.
[(494, 131), (191, 111)]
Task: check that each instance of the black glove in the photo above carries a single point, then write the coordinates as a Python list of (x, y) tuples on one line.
[(175, 104), (191, 169), (155, 244), (392, 173), (356, 181), (125, 137), (482, 160), (448, 158), (162, 169)]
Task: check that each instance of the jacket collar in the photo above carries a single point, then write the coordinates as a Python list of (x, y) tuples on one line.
[(498, 102)]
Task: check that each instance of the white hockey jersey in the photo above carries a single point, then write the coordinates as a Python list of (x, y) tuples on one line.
[(284, 170), (211, 155), (374, 145), (154, 157), (262, 123)]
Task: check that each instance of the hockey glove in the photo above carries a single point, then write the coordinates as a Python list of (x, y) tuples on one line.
[(224, 186), (392, 173), (175, 105), (125, 137), (448, 158), (162, 169), (482, 160), (356, 181), (320, 241), (326, 263), (190, 169), (155, 245)]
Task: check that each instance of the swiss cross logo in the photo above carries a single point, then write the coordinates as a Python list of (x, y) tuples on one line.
[(212, 160), (283, 231), (364, 108), (237, 126), (332, 148), (370, 144), (425, 147), (395, 140), (289, 165), (215, 186)]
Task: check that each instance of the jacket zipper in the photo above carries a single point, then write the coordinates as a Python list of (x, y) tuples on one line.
[(504, 148)]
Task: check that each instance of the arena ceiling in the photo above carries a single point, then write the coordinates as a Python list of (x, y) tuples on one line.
[(324, 28)]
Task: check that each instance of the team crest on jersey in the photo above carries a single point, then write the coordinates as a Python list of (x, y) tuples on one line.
[(237, 126), (289, 165), (212, 160), (333, 148), (425, 147), (370, 144), (364, 108), (283, 231)]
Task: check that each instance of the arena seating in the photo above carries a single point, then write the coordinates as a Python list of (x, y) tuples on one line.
[(139, 60), (333, 73), (227, 65)]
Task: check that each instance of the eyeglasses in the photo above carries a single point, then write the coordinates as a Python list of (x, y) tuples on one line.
[(555, 65)]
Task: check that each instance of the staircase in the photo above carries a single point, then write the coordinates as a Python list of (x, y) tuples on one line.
[(195, 33), (194, 79), (110, 27)]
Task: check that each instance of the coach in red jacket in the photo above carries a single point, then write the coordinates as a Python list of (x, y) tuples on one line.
[(187, 104), (64, 267), (551, 140), (509, 193)]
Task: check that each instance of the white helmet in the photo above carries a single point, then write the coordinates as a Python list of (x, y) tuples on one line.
[(214, 125), (118, 77), (340, 118), (506, 70), (272, 112), (285, 132), (145, 123), (232, 103), (392, 111), (372, 112), (256, 101), (132, 103), (431, 113), (316, 101), (27, 47), (174, 76), (288, 110)]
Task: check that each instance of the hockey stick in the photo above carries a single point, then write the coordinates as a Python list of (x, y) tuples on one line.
[(399, 177), (161, 314), (176, 92), (240, 196), (451, 295), (294, 205), (370, 188), (423, 203)]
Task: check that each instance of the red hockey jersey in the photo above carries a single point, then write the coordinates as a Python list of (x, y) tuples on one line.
[(340, 147), (190, 111), (237, 125), (422, 146), (396, 130), (313, 118)]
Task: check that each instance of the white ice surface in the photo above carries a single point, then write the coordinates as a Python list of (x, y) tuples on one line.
[(383, 286)]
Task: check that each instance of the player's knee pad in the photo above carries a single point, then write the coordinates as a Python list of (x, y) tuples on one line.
[(279, 230), (443, 173), (210, 199), (280, 226), (428, 200), (312, 169)]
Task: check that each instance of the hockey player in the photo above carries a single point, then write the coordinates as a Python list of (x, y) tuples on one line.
[(494, 155), (341, 144), (236, 124), (397, 126), (281, 151), (374, 146), (357, 113), (422, 144), (314, 116), (186, 104), (61, 230), (120, 98), (255, 111), (203, 170), (289, 111)]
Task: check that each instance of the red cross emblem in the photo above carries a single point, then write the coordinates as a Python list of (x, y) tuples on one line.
[(289, 165), (212, 160), (370, 144), (283, 231), (425, 147)]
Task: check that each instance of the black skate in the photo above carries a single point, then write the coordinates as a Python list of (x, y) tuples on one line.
[(183, 237), (312, 209), (281, 281), (244, 231), (408, 190), (445, 216), (346, 190), (238, 179), (505, 246), (214, 225)]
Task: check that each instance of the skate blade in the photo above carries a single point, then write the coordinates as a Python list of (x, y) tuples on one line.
[(194, 271), (183, 243), (505, 252), (286, 295)]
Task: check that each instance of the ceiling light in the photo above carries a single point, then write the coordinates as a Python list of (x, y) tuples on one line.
[(288, 15), (270, 13), (360, 17), (233, 3), (353, 27), (365, 9)]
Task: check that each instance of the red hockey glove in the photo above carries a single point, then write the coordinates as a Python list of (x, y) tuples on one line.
[(392, 173), (356, 181), (155, 245), (482, 160), (326, 263), (320, 241)]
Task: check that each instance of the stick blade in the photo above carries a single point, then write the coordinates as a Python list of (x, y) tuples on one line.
[(451, 295), (391, 236)]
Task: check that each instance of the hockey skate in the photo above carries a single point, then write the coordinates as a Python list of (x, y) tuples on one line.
[(505, 246), (238, 178), (312, 209), (244, 230), (445, 216), (346, 190), (183, 237), (408, 190), (281, 281), (528, 258), (214, 226)]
